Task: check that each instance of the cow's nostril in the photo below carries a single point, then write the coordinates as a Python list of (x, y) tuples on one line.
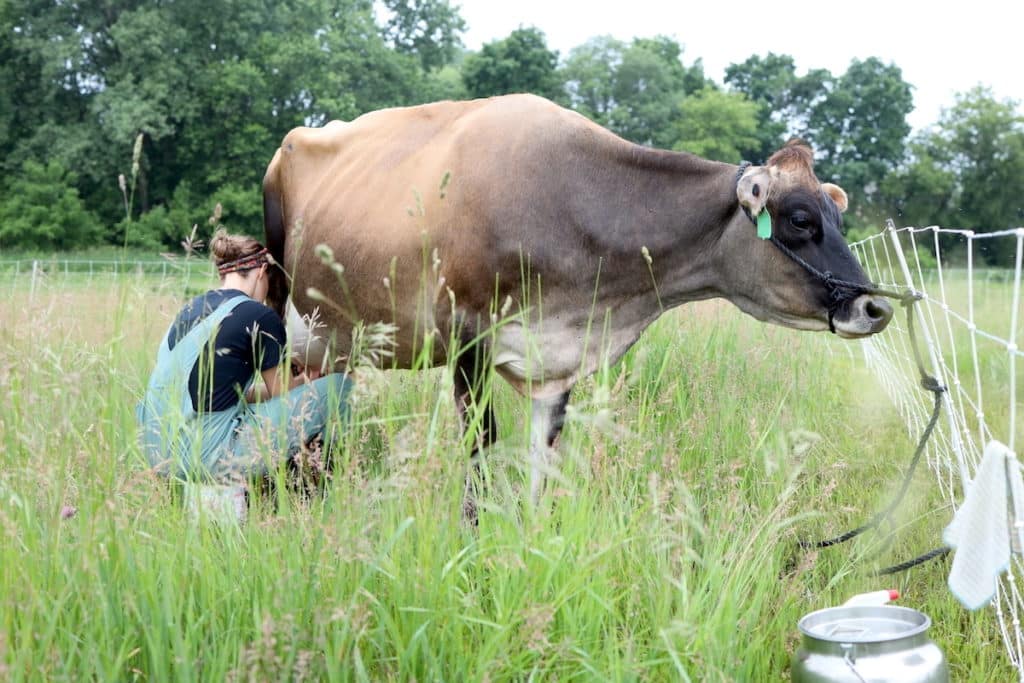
[(878, 310)]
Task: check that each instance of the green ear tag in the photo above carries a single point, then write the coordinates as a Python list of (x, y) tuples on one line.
[(764, 225)]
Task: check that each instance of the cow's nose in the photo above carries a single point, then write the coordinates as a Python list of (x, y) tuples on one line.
[(876, 310)]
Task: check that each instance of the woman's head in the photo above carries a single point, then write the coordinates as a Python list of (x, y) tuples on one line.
[(242, 260)]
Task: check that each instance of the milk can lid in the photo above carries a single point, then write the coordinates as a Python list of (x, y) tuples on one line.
[(864, 624)]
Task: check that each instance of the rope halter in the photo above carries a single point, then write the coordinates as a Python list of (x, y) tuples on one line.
[(839, 291)]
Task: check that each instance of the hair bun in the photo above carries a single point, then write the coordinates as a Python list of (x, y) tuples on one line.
[(225, 247)]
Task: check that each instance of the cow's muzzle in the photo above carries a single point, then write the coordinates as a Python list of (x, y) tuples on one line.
[(866, 315), (864, 302)]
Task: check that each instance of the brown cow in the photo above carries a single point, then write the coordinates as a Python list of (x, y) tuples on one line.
[(448, 216)]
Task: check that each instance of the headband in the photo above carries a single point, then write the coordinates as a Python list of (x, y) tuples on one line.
[(245, 263)]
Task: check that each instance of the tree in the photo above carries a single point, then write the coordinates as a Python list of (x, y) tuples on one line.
[(716, 125), (428, 29), (924, 190), (859, 129), (48, 81), (985, 142), (967, 172), (212, 87), (589, 77), (42, 210), (649, 83), (634, 89), (442, 84), (784, 99), (521, 62), (856, 123)]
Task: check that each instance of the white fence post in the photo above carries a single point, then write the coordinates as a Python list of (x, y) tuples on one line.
[(32, 287)]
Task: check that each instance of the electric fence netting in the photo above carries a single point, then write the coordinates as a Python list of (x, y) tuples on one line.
[(967, 322), (49, 275)]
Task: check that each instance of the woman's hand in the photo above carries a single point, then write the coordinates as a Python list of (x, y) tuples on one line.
[(303, 374)]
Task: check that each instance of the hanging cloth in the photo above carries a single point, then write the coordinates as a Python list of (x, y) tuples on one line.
[(987, 527)]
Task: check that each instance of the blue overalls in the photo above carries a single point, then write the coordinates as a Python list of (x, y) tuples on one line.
[(241, 442)]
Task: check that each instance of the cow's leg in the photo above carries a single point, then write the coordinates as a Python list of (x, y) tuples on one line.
[(470, 371), (475, 413), (546, 420)]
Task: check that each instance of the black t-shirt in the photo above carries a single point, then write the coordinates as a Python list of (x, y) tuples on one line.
[(251, 336)]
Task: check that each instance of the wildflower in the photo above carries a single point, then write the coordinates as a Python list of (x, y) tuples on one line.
[(324, 253)]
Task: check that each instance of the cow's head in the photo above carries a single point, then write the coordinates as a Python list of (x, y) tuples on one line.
[(770, 284)]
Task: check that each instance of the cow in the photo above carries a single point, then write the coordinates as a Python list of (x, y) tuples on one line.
[(544, 243)]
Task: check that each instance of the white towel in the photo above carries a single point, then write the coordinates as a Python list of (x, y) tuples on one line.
[(980, 530)]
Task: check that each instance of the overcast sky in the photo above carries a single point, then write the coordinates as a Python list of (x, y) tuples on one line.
[(941, 47)]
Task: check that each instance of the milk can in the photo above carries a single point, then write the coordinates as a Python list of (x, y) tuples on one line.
[(867, 644)]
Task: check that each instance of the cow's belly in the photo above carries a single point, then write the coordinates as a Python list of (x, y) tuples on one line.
[(546, 359)]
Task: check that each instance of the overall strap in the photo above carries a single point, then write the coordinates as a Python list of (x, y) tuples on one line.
[(173, 366), (166, 409), (201, 331)]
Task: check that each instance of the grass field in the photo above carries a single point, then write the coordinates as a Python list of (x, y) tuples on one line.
[(666, 550)]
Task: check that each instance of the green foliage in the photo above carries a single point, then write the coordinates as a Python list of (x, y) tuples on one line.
[(633, 89), (242, 207), (521, 62), (716, 125), (984, 142), (152, 231), (41, 209), (428, 29), (967, 172), (443, 84), (859, 129), (163, 227), (785, 99), (855, 122), (589, 76), (213, 88), (649, 82), (923, 191)]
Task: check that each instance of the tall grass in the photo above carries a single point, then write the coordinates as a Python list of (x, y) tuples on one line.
[(664, 549)]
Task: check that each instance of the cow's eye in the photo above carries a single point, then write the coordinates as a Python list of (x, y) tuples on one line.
[(801, 220)]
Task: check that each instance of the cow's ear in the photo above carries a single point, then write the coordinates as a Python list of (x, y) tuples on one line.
[(755, 186), (837, 194)]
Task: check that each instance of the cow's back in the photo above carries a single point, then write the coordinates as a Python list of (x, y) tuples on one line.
[(421, 205)]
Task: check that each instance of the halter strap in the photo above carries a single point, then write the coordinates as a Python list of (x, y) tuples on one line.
[(839, 291)]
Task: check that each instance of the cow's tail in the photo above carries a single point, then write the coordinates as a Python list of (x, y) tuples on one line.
[(274, 234)]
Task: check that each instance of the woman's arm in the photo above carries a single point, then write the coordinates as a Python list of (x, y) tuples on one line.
[(277, 381)]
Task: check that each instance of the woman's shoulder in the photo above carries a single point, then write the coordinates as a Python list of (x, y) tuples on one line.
[(257, 309), (264, 317)]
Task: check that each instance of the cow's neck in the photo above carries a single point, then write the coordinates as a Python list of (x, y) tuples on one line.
[(671, 207)]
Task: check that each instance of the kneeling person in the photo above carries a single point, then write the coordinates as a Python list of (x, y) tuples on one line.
[(222, 404)]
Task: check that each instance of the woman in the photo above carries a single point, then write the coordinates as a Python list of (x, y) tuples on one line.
[(222, 403)]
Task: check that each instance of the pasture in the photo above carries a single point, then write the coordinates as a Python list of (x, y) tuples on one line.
[(664, 549)]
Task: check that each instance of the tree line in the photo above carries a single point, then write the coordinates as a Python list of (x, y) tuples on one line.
[(125, 122)]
